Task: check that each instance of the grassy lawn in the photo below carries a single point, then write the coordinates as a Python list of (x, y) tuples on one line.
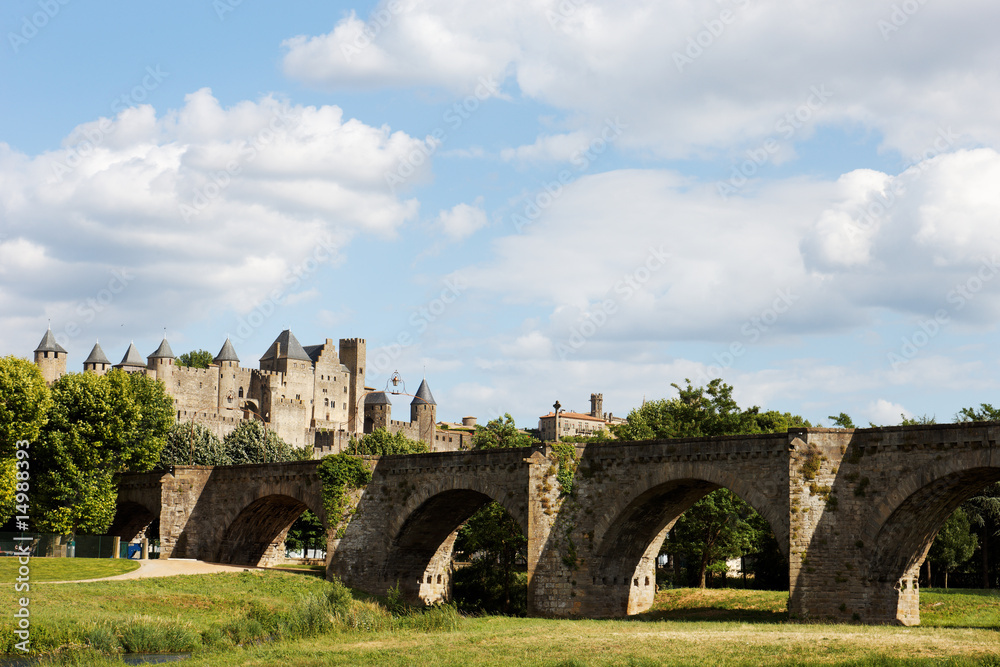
[(249, 618), (67, 569)]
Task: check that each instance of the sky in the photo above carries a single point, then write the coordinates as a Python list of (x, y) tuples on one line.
[(523, 202)]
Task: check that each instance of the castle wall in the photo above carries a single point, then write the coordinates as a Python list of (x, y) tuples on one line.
[(194, 388), (220, 425), (288, 420)]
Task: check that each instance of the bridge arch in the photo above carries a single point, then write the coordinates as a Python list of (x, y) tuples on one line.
[(899, 530), (423, 533), (629, 535), (256, 526), (131, 518)]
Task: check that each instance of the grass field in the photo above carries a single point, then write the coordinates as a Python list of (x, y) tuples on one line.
[(275, 618), (67, 569)]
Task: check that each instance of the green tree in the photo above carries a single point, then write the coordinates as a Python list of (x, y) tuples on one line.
[(189, 443), (843, 420), (922, 420), (196, 359), (983, 511), (24, 405), (715, 529), (494, 545), (98, 426), (382, 443), (984, 413), (954, 544), (492, 540), (306, 533), (251, 442), (499, 433)]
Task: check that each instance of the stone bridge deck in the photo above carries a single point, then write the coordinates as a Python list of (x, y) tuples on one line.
[(854, 511)]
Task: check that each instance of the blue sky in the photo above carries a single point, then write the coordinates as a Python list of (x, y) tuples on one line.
[(525, 202)]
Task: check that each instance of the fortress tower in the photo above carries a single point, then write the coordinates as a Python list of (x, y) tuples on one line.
[(132, 361), (97, 362), (50, 357), (378, 411), (352, 355), (230, 392), (161, 362), (423, 411), (597, 405)]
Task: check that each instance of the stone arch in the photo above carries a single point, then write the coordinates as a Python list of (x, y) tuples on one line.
[(255, 534), (422, 536), (900, 528), (628, 536), (131, 518)]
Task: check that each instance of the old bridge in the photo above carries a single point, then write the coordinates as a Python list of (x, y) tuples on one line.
[(854, 512)]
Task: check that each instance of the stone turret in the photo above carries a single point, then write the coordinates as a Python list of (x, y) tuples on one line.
[(132, 362), (378, 411), (229, 368), (352, 355), (285, 355), (161, 362), (50, 357), (597, 405), (423, 411), (97, 362)]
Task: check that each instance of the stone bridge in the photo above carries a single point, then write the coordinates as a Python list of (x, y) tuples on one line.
[(854, 512)]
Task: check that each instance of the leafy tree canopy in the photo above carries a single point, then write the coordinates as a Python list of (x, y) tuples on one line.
[(382, 443), (189, 443), (701, 411), (251, 442), (24, 403), (98, 426), (843, 420), (500, 433), (954, 545), (196, 359), (984, 413), (922, 420)]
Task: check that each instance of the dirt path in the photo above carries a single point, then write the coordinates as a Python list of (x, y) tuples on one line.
[(167, 568)]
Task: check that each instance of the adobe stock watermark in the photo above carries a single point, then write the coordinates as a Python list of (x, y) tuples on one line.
[(581, 159), (752, 330), (785, 128), (224, 7), (93, 137), (453, 118), (704, 39), (249, 150), (928, 329), (292, 279), (90, 308), (624, 289), (22, 546), (899, 16), (31, 25), (419, 321), (379, 21)]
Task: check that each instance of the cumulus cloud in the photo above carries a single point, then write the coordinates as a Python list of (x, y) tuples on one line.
[(462, 220), (686, 75), (646, 255), (200, 209)]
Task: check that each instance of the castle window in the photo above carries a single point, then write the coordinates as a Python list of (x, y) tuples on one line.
[(345, 406), (345, 389), (241, 392), (326, 402), (45, 355), (298, 397)]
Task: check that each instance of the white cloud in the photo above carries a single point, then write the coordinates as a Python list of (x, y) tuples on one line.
[(206, 207), (462, 220), (602, 59), (886, 413)]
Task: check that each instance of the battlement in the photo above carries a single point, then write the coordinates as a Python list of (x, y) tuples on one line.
[(203, 415), (187, 370)]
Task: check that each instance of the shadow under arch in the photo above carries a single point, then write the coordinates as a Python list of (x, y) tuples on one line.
[(634, 531), (257, 533), (131, 518), (900, 530), (418, 559)]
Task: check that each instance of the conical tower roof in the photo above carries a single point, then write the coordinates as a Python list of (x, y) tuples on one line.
[(49, 343), (97, 356), (423, 395), (227, 353), (164, 351), (132, 357), (290, 348)]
